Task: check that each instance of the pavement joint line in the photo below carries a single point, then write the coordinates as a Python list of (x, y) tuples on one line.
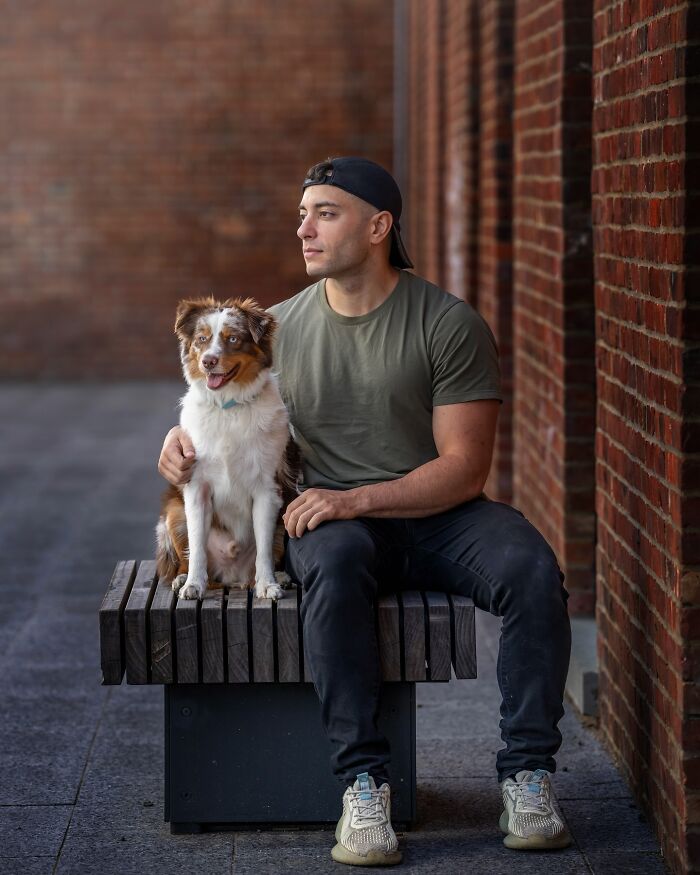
[(82, 778)]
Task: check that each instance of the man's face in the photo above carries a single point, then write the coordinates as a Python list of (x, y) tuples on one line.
[(334, 229)]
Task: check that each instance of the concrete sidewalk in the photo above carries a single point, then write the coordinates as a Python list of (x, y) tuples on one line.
[(82, 765)]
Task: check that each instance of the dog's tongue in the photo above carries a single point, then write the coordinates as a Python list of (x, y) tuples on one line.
[(215, 380)]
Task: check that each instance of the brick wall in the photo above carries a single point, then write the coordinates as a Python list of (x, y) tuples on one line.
[(645, 196), (553, 385), (153, 151)]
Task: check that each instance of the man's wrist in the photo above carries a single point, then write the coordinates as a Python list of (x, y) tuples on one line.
[(359, 500)]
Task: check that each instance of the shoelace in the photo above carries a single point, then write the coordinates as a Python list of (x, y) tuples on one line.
[(369, 810), (532, 796)]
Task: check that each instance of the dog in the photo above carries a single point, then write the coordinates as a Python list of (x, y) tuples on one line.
[(225, 524)]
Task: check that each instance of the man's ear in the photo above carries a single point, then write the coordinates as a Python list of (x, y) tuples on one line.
[(382, 223), (187, 314)]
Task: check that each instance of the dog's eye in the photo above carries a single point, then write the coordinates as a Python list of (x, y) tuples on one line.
[(234, 341), (202, 338)]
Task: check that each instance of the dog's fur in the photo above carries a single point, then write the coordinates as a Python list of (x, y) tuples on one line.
[(225, 523)]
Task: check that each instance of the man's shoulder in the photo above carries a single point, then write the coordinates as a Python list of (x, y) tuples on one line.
[(437, 302), (290, 306)]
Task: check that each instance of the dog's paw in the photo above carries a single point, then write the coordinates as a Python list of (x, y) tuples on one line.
[(179, 582), (284, 580), (268, 590), (192, 590)]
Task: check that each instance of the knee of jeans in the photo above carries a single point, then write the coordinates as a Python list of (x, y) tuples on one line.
[(532, 578), (336, 565)]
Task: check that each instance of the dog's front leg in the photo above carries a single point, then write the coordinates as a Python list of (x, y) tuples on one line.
[(266, 505), (198, 513)]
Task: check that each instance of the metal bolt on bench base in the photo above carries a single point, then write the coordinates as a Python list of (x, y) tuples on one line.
[(237, 756)]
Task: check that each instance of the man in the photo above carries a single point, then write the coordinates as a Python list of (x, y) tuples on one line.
[(392, 387)]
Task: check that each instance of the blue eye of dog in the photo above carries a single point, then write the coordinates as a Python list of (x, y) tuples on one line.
[(233, 340)]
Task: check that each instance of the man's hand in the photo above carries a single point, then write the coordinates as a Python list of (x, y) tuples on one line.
[(316, 506), (177, 457)]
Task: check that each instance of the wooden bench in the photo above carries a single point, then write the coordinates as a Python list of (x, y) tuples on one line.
[(244, 743)]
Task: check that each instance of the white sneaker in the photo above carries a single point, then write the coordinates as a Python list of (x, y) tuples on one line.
[(532, 819), (364, 833)]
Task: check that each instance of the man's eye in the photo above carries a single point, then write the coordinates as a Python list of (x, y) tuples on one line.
[(326, 214)]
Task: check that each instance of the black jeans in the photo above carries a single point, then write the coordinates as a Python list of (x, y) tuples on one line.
[(482, 549)]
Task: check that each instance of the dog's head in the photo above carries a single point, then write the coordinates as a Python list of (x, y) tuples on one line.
[(220, 342)]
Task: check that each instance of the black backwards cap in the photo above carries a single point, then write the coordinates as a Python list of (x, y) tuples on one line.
[(373, 184)]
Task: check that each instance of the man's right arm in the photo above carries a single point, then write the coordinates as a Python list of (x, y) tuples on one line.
[(177, 457)]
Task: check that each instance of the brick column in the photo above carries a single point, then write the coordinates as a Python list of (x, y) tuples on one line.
[(425, 192), (554, 383), (460, 148), (646, 182), (494, 277)]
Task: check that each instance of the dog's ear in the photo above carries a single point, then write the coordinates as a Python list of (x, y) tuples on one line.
[(187, 314), (261, 324), (258, 325)]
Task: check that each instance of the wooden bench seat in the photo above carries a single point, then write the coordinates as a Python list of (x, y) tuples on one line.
[(243, 736)]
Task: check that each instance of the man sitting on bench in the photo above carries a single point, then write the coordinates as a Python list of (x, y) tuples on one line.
[(392, 387)]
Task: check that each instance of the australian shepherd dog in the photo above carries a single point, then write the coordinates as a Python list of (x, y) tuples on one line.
[(225, 524)]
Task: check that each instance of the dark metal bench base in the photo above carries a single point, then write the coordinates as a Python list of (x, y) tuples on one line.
[(239, 755)]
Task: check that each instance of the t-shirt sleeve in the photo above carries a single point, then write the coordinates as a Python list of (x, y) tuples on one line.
[(464, 357)]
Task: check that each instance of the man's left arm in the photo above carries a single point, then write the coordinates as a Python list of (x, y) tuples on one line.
[(464, 436)]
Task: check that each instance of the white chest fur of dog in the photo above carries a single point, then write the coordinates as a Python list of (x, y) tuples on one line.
[(239, 426)]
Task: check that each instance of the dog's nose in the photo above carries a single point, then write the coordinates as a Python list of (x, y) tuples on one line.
[(210, 361)]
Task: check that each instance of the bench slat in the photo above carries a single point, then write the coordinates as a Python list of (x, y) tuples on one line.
[(161, 620), (439, 620), (263, 656), (136, 629), (464, 637), (237, 636), (414, 636), (388, 625), (288, 636), (212, 636), (111, 622), (186, 640)]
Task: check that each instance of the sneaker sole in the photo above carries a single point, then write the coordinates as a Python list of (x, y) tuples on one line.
[(532, 843), (374, 858)]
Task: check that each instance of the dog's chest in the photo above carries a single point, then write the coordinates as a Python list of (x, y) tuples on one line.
[(238, 451)]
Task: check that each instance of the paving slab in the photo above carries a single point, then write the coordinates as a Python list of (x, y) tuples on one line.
[(28, 865), (39, 828), (624, 863)]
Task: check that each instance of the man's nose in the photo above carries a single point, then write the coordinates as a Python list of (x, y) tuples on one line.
[(305, 229), (210, 361)]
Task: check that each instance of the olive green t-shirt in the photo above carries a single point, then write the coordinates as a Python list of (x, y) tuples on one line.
[(360, 390)]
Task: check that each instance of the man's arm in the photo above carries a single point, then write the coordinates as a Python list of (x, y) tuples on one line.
[(464, 436)]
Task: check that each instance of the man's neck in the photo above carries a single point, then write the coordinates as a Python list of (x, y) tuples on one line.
[(360, 294)]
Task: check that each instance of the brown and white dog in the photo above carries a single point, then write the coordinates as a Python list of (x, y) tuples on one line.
[(225, 523)]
